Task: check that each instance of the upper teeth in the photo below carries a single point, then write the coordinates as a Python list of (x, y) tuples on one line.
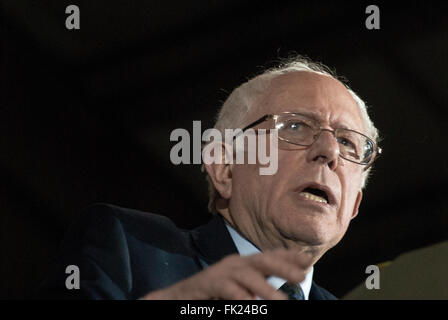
[(313, 197)]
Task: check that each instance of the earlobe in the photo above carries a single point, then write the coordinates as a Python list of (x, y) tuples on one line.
[(357, 204)]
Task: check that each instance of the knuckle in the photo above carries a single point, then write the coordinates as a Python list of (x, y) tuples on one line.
[(260, 259), (231, 259), (229, 290)]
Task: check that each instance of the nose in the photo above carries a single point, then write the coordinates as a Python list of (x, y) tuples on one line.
[(324, 150)]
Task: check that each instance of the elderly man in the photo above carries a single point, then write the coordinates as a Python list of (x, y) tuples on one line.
[(268, 230)]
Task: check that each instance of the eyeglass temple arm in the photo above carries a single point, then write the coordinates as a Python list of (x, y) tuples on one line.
[(253, 124), (378, 154)]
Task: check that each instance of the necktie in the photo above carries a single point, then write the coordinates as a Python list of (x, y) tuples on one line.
[(293, 291)]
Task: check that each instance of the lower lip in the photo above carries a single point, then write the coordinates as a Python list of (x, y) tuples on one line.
[(322, 205)]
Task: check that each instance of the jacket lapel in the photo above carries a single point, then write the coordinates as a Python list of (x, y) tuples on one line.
[(319, 293)]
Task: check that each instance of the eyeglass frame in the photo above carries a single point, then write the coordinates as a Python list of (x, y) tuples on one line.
[(376, 148)]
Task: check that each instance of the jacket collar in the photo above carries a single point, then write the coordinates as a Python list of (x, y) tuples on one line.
[(212, 241)]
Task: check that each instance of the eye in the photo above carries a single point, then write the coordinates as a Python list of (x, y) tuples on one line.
[(294, 125), (347, 143)]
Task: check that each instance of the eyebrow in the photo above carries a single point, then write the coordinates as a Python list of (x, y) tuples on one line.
[(316, 117), (312, 115)]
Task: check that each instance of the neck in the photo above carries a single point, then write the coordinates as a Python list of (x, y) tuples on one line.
[(263, 242)]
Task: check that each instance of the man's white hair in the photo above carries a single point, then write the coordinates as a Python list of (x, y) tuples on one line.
[(239, 103)]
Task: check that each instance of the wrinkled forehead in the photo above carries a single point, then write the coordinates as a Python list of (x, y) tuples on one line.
[(321, 96)]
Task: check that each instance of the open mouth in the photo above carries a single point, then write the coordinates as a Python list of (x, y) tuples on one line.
[(314, 194)]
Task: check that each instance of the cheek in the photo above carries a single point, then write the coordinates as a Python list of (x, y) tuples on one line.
[(260, 194), (351, 182), (247, 184)]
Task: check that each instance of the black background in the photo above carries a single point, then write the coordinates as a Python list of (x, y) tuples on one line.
[(86, 115)]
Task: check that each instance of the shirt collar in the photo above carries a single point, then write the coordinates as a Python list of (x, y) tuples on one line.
[(245, 248)]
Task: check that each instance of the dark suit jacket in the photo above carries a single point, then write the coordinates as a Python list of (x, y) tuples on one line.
[(124, 254)]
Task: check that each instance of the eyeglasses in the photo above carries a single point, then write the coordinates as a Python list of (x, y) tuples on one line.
[(301, 130)]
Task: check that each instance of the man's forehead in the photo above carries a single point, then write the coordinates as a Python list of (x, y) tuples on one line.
[(321, 96)]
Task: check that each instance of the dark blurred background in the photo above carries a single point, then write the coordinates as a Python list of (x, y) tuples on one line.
[(86, 115)]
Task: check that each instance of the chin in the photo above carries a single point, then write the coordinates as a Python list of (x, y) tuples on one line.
[(311, 234), (302, 226), (316, 239)]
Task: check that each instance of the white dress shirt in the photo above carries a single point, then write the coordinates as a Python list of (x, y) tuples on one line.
[(246, 248)]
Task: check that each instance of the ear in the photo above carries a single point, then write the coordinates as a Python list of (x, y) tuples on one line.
[(220, 173), (357, 203)]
